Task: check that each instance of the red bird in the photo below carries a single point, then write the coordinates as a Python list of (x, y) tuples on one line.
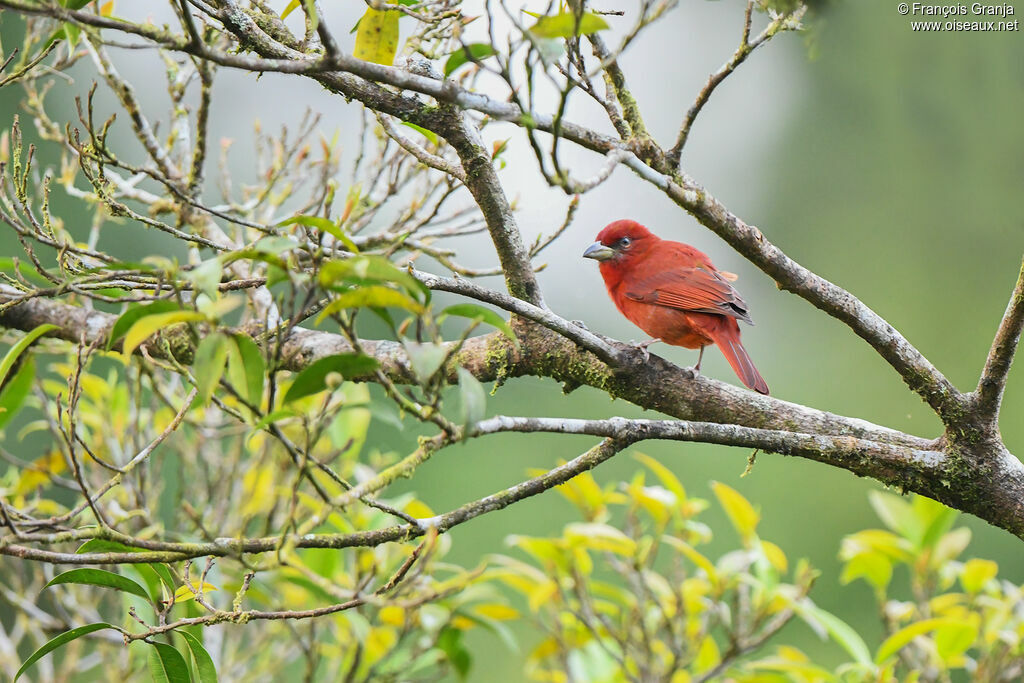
[(672, 292)]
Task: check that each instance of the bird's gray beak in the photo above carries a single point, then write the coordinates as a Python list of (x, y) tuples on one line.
[(599, 252)]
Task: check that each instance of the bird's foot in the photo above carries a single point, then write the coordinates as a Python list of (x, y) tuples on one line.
[(580, 324), (696, 368), (643, 347)]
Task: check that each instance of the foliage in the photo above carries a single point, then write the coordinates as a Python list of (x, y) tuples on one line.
[(645, 603), (193, 420)]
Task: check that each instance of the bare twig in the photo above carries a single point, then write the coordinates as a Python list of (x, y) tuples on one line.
[(1000, 356)]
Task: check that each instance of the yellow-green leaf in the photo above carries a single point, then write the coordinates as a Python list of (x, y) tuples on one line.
[(185, 593), (976, 573), (376, 296), (377, 36), (600, 537), (566, 25), (667, 478), (775, 556), (694, 556), (897, 641), (741, 513)]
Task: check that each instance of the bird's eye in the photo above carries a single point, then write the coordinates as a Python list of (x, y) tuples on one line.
[(625, 242)]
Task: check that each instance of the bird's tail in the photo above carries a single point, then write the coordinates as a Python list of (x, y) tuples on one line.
[(727, 336)]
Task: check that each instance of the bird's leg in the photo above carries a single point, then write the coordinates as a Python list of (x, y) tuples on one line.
[(700, 357), (643, 347)]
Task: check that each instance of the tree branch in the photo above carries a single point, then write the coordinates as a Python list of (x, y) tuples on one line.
[(1000, 356)]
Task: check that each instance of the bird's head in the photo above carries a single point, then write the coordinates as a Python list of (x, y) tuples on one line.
[(619, 242)]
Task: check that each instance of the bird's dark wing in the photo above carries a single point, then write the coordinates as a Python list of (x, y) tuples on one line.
[(689, 289)]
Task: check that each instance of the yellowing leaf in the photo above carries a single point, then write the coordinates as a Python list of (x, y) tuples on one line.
[(585, 493), (185, 593), (775, 556), (497, 612), (741, 513), (40, 472), (418, 509), (694, 556), (377, 36), (391, 615), (667, 478), (291, 7), (258, 484), (379, 642), (707, 656), (600, 537), (976, 573)]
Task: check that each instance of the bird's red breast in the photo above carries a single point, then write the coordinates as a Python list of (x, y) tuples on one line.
[(674, 293)]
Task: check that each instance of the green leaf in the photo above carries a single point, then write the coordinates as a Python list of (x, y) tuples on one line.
[(324, 225), (19, 348), (165, 575), (371, 269), (564, 25), (206, 276), (935, 517), (204, 663), (377, 36), (896, 514), (473, 52), (741, 513), (425, 359), (472, 398), (386, 412), (13, 395), (481, 314), (375, 296), (142, 329), (24, 269), (450, 642), (72, 32), (313, 378), (873, 567), (56, 642), (208, 367), (839, 630), (428, 134), (166, 665), (99, 577), (246, 367), (101, 545), (897, 641), (292, 6), (125, 321), (272, 417)]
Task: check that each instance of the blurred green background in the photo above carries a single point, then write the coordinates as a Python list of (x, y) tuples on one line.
[(889, 161)]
